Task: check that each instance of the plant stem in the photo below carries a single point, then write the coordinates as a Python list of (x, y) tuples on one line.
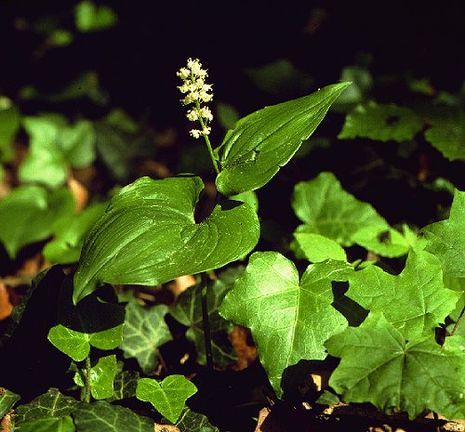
[(87, 380), (206, 322), (458, 321), (207, 141)]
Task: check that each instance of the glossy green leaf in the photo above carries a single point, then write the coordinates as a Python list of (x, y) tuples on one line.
[(361, 80), (447, 134), (188, 311), (414, 302), (124, 386), (327, 209), (264, 141), (317, 248), (9, 125), (144, 331), (54, 147), (381, 123), (32, 214), (90, 17), (446, 239), (49, 405), (289, 319), (149, 236), (52, 424), (191, 421), (379, 366), (168, 397), (7, 400), (65, 248), (102, 378), (104, 417)]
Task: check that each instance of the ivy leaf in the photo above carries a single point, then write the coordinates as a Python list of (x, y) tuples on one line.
[(54, 146), (124, 385), (445, 239), (9, 125), (7, 400), (191, 421), (317, 248), (49, 405), (447, 134), (264, 141), (144, 331), (104, 417), (283, 313), (32, 214), (149, 236), (188, 311), (379, 366), (327, 209), (414, 302), (102, 377), (65, 248), (90, 18), (168, 397), (52, 424), (381, 123)]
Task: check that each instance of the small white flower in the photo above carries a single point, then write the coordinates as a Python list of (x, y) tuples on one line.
[(192, 115), (195, 133), (206, 114)]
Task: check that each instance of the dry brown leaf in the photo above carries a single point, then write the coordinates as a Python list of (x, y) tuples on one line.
[(181, 283), (80, 193), (5, 305), (246, 353), (262, 415), (165, 428), (6, 424)]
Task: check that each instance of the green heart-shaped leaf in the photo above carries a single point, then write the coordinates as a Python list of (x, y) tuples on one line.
[(264, 141), (168, 396), (149, 236)]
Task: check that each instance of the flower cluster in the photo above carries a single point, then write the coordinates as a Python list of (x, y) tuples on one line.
[(196, 92)]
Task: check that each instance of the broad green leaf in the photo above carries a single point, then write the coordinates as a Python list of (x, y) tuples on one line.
[(188, 311), (65, 248), (446, 239), (414, 302), (104, 417), (149, 236), (144, 331), (54, 147), (379, 366), (51, 404), (89, 17), (7, 400), (124, 385), (51, 424), (168, 397), (361, 80), (32, 214), (447, 134), (9, 125), (381, 123), (289, 319), (264, 141), (102, 378), (191, 421), (317, 248), (384, 241)]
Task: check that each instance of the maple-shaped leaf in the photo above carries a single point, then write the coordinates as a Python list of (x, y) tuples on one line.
[(379, 366), (446, 239), (414, 302), (289, 319)]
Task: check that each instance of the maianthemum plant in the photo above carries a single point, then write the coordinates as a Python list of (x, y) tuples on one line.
[(380, 325)]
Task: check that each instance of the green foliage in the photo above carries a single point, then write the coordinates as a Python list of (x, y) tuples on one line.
[(379, 366), (270, 300), (90, 17), (7, 400), (191, 421), (317, 248), (144, 331), (327, 209), (54, 147), (101, 377), (168, 396), (264, 141), (9, 125), (188, 311), (32, 214), (381, 123), (104, 417), (148, 236)]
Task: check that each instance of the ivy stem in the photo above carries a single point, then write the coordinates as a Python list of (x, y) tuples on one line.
[(87, 380), (206, 322), (459, 319), (207, 141)]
